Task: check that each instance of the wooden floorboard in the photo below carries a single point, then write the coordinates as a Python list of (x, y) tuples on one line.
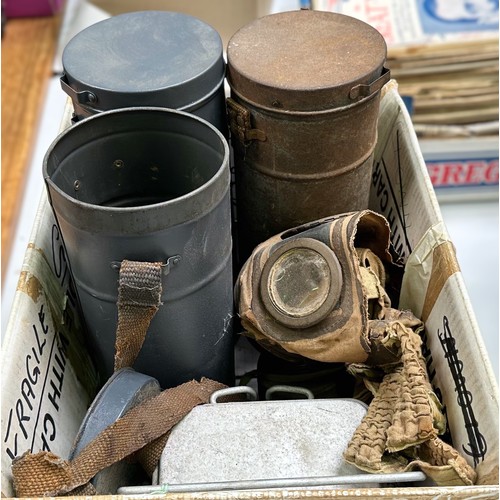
[(28, 49)]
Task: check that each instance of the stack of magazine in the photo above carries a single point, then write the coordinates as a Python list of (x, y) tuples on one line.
[(444, 55)]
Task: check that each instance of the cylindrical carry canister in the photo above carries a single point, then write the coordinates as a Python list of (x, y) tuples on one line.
[(305, 91), (150, 184), (150, 58)]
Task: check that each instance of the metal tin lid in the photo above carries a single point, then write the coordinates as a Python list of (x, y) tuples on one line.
[(306, 61), (124, 390), (150, 58)]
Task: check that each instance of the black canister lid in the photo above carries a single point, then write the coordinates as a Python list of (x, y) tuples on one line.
[(306, 60), (149, 58)]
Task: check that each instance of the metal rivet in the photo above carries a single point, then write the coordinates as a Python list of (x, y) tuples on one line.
[(277, 104), (91, 98), (118, 163), (76, 185)]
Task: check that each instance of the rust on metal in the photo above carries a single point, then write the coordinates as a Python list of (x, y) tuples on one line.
[(304, 60), (240, 124), (308, 82)]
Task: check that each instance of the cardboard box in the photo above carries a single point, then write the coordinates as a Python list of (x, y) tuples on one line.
[(48, 379)]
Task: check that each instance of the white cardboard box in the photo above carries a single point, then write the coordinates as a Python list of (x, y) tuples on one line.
[(48, 378)]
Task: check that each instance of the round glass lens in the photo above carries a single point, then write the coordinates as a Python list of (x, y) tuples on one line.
[(299, 282)]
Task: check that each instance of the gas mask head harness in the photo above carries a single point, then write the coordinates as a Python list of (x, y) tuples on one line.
[(311, 290)]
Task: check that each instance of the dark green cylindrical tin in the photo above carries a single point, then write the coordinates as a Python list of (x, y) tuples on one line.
[(150, 184), (148, 58), (305, 90)]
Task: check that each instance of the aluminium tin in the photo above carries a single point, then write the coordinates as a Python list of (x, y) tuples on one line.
[(251, 440)]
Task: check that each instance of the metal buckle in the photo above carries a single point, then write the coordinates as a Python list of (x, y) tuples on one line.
[(240, 123)]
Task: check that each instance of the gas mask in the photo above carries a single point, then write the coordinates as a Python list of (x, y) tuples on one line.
[(320, 291), (311, 291)]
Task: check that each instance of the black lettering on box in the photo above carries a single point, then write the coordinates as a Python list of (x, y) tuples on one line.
[(39, 344), (54, 395), (477, 446), (21, 417), (33, 373), (27, 393), (12, 454), (48, 432), (41, 318)]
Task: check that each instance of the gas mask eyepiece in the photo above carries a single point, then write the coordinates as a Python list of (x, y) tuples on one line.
[(301, 282)]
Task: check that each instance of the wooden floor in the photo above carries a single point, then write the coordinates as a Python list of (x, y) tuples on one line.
[(28, 49)]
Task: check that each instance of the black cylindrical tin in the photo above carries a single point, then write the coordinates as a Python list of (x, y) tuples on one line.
[(150, 58), (150, 184), (305, 90)]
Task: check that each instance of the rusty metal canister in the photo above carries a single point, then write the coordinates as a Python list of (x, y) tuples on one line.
[(305, 91), (147, 58)]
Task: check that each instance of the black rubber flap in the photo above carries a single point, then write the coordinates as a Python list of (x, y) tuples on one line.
[(150, 58), (304, 60)]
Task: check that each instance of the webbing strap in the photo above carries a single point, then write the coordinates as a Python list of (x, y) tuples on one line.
[(45, 474), (139, 297), (144, 428)]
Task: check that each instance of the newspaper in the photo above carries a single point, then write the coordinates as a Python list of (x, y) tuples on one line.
[(421, 21), (444, 56)]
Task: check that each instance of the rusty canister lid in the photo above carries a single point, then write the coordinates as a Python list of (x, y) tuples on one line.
[(148, 58), (306, 60)]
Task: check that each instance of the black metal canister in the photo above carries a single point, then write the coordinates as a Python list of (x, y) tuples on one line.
[(147, 58), (305, 89), (150, 185)]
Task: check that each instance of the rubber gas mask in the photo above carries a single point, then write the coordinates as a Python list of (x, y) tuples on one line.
[(311, 291)]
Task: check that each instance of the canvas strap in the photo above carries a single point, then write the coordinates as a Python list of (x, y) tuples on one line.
[(45, 474), (144, 429), (139, 297)]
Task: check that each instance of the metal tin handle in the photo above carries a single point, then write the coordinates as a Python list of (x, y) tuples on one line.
[(85, 97), (290, 389), (231, 391), (166, 267), (287, 482), (363, 90)]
